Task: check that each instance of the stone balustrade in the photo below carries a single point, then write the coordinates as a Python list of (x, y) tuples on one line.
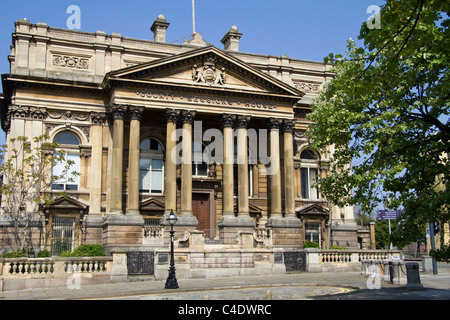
[(153, 232), (23, 273), (197, 261), (344, 260)]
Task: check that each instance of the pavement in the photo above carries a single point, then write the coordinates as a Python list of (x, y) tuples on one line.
[(293, 286)]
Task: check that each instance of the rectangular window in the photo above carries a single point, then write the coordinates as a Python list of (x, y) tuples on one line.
[(308, 177), (157, 176), (305, 182), (68, 180), (313, 232), (73, 172), (151, 176), (199, 169), (144, 175)]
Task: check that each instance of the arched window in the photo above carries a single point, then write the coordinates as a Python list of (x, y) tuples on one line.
[(68, 175), (309, 172), (151, 167), (66, 137)]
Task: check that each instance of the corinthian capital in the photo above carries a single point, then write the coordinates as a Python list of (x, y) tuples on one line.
[(187, 116), (117, 111), (274, 123), (227, 120), (289, 125), (171, 115), (98, 118), (242, 121), (136, 112)]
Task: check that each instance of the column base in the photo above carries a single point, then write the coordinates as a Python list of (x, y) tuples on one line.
[(245, 221), (94, 229), (187, 219), (122, 231), (286, 232), (228, 231)]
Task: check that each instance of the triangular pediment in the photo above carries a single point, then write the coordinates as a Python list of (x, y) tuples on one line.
[(205, 68), (67, 203), (152, 204), (312, 209), (252, 209)]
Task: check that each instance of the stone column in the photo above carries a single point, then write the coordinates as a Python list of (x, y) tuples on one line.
[(186, 216), (228, 162), (118, 113), (120, 231), (133, 159), (244, 219), (170, 169), (94, 218), (287, 231), (275, 177), (289, 187), (228, 221)]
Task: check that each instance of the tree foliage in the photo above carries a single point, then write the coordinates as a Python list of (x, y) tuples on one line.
[(27, 178), (386, 115)]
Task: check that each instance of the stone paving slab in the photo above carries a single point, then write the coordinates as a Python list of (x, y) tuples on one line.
[(353, 286)]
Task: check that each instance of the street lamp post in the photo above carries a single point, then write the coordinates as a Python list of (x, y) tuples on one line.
[(171, 282)]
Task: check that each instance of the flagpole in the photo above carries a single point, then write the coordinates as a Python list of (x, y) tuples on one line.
[(193, 16)]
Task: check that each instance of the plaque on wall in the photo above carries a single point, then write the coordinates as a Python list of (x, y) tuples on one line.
[(141, 262), (295, 261)]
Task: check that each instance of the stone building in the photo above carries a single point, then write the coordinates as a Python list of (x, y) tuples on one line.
[(216, 135)]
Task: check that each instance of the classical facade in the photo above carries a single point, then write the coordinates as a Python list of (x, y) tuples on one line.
[(216, 135)]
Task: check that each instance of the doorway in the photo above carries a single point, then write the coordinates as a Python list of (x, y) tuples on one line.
[(201, 209)]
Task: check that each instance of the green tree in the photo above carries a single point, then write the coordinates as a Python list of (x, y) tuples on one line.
[(27, 178), (388, 108)]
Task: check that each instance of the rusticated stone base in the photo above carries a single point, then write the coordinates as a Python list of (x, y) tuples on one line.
[(122, 231), (94, 230), (286, 232), (287, 237), (344, 236)]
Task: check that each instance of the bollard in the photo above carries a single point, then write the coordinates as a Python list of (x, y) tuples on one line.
[(413, 276), (268, 295), (391, 273)]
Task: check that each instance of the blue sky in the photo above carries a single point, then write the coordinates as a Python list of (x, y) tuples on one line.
[(301, 29)]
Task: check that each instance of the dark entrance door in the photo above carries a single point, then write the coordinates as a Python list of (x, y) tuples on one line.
[(200, 208)]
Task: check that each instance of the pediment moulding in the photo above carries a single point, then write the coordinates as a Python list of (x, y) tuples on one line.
[(204, 67)]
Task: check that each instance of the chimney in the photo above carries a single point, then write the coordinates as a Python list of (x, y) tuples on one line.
[(159, 28), (231, 39)]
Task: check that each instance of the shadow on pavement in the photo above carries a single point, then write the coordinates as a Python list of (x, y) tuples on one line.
[(388, 294)]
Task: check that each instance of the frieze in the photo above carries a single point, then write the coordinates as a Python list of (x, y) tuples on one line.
[(205, 100), (72, 62), (68, 115), (25, 112), (307, 87)]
